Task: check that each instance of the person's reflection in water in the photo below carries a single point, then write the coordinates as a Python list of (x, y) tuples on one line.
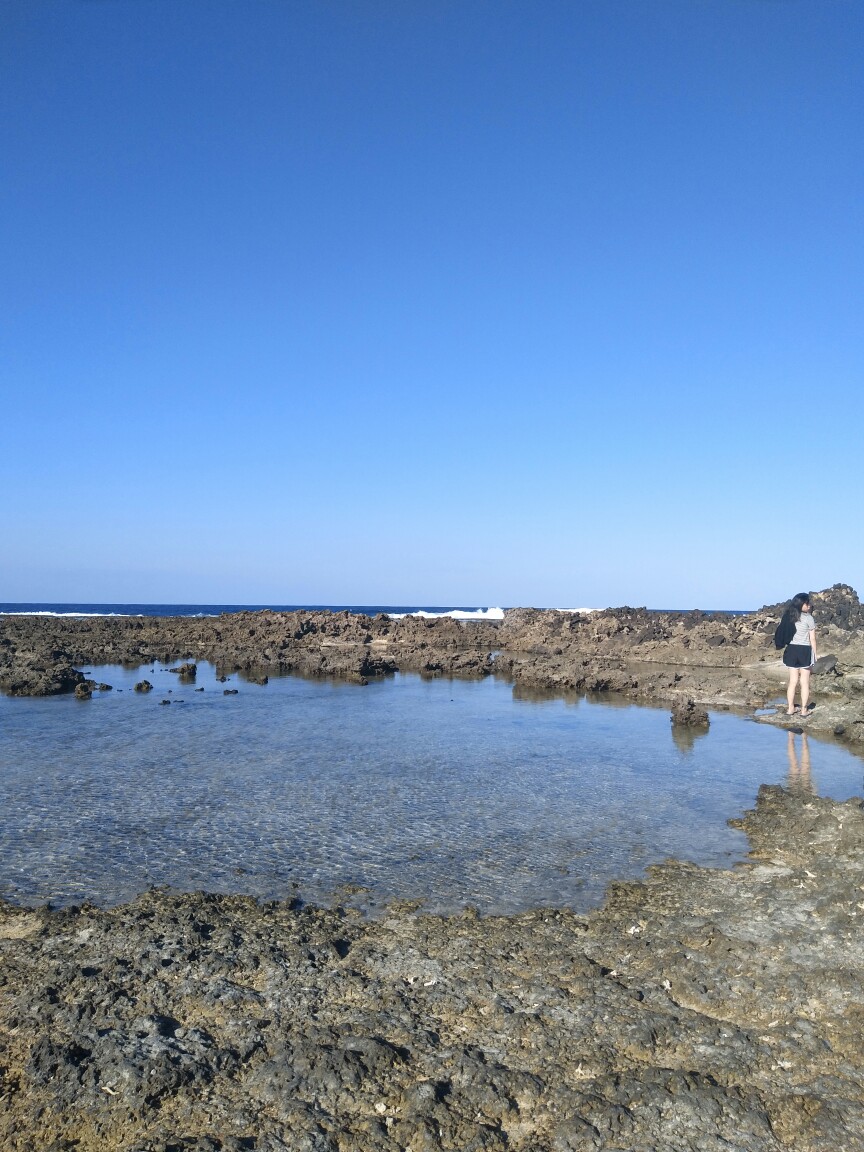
[(799, 768)]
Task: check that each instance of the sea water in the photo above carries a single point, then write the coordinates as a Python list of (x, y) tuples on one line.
[(452, 792)]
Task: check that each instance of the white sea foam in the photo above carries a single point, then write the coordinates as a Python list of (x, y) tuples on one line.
[(580, 611), (45, 612), (455, 613)]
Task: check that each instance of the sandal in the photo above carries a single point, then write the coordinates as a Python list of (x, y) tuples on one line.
[(794, 712)]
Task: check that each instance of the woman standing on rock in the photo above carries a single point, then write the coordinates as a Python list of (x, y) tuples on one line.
[(800, 654)]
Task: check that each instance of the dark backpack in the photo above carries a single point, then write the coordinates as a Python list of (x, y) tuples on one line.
[(784, 631)]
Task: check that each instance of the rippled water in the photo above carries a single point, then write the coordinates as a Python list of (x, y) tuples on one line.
[(454, 792)]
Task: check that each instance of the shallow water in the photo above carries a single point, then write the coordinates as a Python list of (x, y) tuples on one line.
[(451, 791)]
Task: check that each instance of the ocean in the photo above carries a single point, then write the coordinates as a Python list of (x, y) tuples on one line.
[(76, 609)]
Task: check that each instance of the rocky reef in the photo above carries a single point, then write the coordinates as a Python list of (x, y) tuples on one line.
[(702, 1009), (712, 659)]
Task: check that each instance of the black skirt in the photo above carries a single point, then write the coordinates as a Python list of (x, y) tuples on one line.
[(798, 656)]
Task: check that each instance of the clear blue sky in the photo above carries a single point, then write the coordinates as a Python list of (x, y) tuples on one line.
[(552, 302)]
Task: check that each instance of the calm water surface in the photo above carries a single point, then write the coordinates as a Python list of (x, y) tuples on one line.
[(454, 792)]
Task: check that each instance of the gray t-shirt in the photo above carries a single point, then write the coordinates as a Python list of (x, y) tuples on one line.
[(803, 628)]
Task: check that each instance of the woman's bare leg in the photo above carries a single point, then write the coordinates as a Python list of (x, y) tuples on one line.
[(790, 691), (805, 688)]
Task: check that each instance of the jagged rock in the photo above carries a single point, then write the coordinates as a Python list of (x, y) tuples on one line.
[(185, 671), (701, 1009), (143, 686), (622, 650), (83, 691), (688, 714)]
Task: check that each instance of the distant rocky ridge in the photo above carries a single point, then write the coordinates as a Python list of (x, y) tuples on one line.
[(713, 659)]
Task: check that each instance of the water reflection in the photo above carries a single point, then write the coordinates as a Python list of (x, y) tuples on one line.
[(800, 776), (686, 735), (534, 694)]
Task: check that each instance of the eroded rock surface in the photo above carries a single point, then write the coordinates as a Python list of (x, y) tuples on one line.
[(702, 1009), (716, 660)]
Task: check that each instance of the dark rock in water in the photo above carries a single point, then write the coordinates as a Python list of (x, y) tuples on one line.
[(164, 701), (688, 714), (229, 692), (260, 678), (104, 688), (143, 686), (186, 671), (199, 689), (41, 681), (83, 691)]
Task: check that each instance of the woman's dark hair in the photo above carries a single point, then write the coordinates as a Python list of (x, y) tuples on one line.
[(797, 603)]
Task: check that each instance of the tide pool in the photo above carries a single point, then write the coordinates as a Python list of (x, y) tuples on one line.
[(452, 792)]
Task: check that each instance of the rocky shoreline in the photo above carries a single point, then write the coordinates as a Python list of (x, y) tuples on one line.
[(712, 659), (702, 1009)]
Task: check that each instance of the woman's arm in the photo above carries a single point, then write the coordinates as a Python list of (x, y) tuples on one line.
[(813, 645)]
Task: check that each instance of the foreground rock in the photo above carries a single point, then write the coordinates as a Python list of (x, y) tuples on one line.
[(687, 715), (715, 660), (702, 1010)]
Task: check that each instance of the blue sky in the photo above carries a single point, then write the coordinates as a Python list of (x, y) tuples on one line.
[(552, 302)]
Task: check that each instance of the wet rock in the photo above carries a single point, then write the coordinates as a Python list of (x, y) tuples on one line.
[(185, 671), (700, 1009), (687, 713), (83, 691), (640, 654), (143, 686), (39, 679), (230, 691)]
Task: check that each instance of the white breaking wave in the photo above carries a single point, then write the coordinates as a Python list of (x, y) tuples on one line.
[(45, 612), (455, 613), (581, 611)]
